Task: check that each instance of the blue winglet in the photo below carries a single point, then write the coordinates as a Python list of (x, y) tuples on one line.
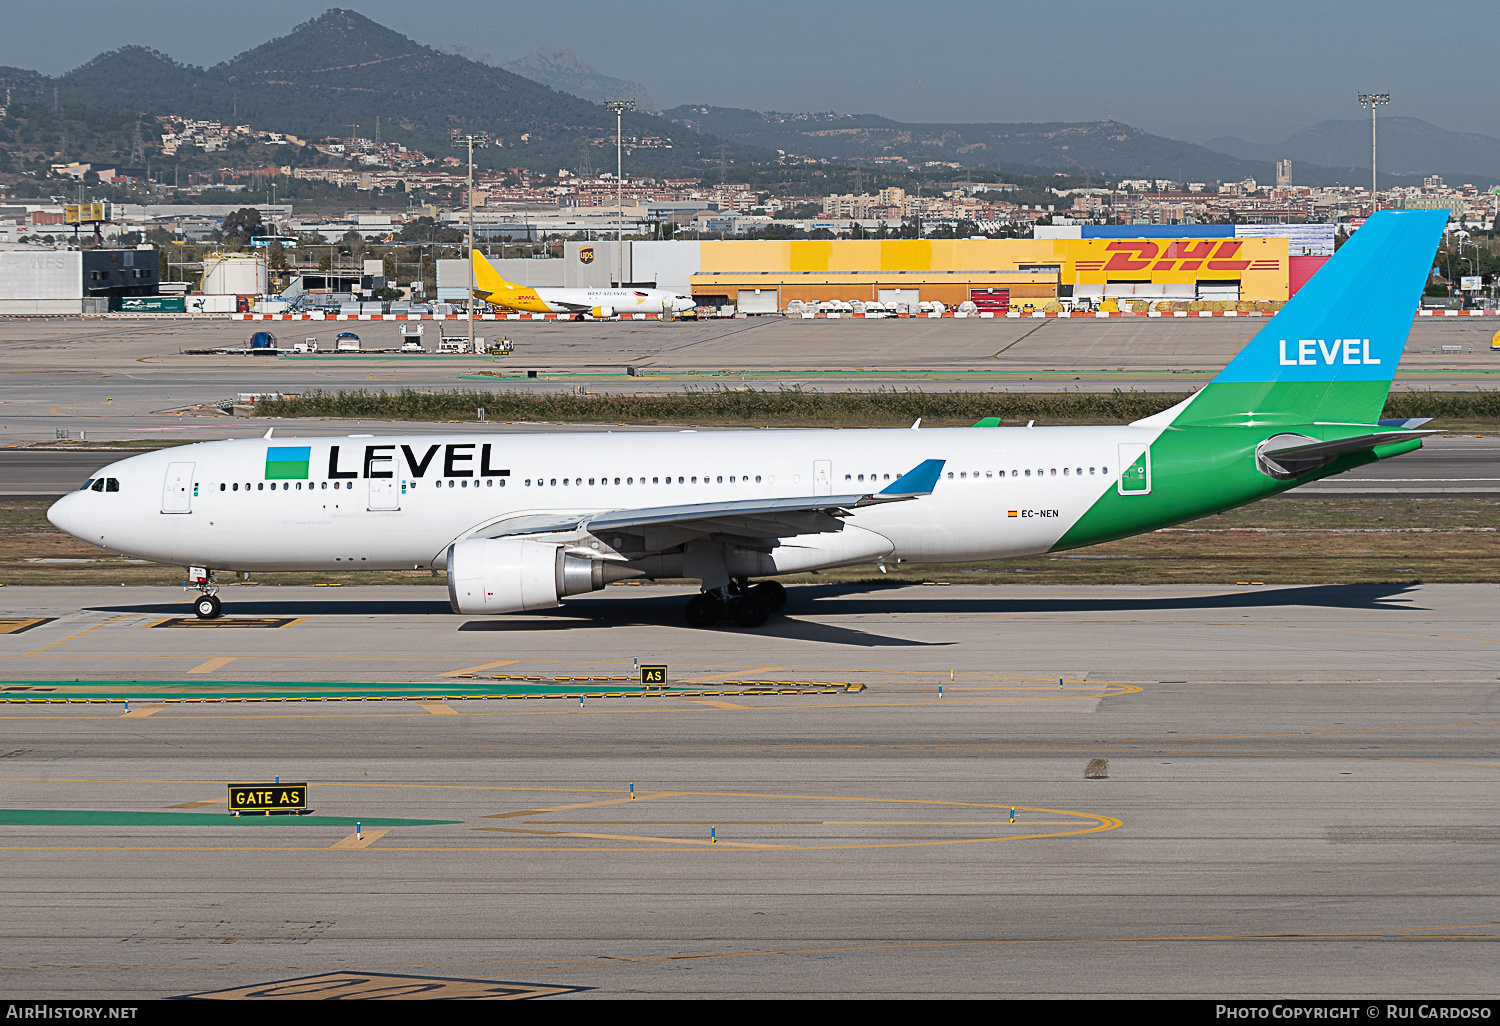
[(920, 480)]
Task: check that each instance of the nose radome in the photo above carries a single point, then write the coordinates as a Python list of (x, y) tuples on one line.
[(61, 513)]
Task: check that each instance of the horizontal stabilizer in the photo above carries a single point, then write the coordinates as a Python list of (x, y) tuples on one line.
[(1404, 422), (1339, 446)]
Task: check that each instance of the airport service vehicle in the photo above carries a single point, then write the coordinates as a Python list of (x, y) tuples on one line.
[(523, 521), (346, 342), (592, 302), (459, 344)]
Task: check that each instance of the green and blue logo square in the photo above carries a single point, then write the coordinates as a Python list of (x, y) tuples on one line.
[(288, 462)]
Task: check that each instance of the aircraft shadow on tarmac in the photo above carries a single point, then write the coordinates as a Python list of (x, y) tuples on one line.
[(875, 598), (667, 612), (882, 598), (578, 614)]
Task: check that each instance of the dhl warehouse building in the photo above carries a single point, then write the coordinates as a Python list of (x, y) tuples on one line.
[(1128, 264)]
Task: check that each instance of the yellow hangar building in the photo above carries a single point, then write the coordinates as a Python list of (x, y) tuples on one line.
[(994, 274)]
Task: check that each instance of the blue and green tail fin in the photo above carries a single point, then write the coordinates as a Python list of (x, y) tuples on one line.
[(1330, 354)]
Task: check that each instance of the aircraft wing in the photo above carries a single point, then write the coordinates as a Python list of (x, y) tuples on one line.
[(563, 305), (748, 518), (556, 305)]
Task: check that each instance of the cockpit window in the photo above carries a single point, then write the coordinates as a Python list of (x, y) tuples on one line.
[(111, 484), (86, 485), (99, 484)]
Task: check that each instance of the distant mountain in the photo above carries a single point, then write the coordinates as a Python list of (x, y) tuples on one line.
[(1101, 147), (1106, 148), (341, 74), (342, 69), (563, 71), (1408, 146)]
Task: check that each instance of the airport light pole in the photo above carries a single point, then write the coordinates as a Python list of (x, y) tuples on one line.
[(480, 140), (1373, 100), (620, 107)]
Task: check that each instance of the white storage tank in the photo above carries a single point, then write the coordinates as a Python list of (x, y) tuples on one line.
[(234, 274)]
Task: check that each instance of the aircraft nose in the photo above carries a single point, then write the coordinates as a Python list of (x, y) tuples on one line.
[(684, 303), (64, 513)]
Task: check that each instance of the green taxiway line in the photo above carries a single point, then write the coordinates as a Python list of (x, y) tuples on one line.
[(392, 357), (186, 691), (95, 817)]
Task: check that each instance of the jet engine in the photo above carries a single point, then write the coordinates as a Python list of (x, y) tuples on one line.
[(513, 575), (602, 312)]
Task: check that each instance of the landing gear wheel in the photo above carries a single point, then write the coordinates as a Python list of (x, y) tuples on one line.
[(750, 611), (208, 607), (703, 611), (772, 593)]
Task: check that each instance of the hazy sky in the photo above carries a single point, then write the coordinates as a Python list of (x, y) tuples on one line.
[(1190, 70)]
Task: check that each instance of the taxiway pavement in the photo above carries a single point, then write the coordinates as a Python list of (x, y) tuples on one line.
[(1300, 798), (129, 379)]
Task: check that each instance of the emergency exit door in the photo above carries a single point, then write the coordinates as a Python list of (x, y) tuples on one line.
[(177, 490), (822, 477), (383, 491), (1135, 469)]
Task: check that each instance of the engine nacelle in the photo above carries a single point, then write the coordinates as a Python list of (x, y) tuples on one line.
[(603, 312), (513, 575)]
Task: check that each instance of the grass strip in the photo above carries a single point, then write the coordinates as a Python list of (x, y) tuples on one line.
[(796, 407)]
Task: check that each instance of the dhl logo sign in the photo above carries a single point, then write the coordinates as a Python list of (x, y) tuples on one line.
[(1179, 255)]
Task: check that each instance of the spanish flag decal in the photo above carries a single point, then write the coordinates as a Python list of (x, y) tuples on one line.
[(1014, 513)]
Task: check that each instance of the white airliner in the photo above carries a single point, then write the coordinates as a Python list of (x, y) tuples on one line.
[(522, 521), (577, 302)]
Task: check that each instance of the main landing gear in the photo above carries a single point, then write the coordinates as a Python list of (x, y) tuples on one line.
[(748, 605)]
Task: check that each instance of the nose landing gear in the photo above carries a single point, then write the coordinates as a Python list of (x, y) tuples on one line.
[(207, 604), (748, 606)]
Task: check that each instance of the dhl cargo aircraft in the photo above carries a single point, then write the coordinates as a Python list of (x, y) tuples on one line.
[(523, 521), (493, 289)]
